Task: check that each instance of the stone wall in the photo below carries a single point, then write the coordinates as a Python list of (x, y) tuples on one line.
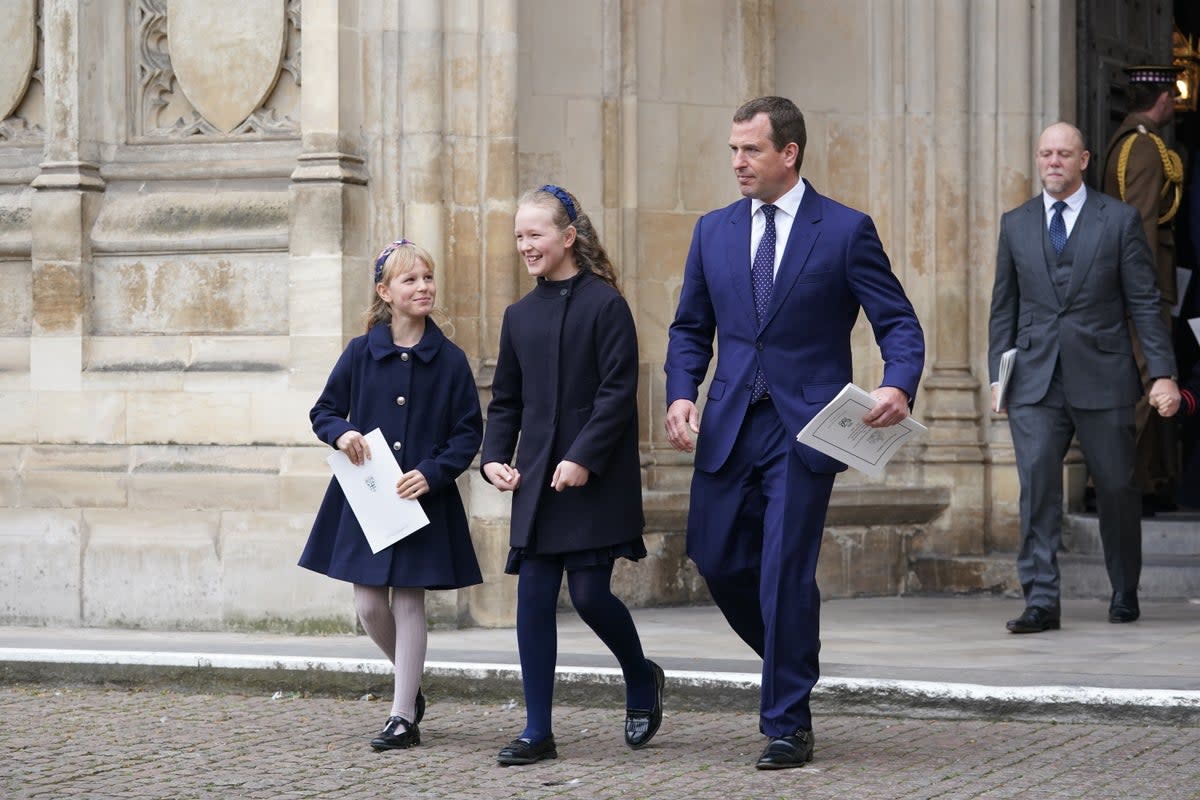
[(191, 192)]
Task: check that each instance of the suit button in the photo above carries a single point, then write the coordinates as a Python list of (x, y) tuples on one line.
[(400, 400), (562, 292), (396, 445), (758, 345), (404, 356)]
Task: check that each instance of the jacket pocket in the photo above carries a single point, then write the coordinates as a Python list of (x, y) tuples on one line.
[(1115, 343), (716, 389)]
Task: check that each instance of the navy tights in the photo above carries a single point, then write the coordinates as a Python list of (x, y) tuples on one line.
[(537, 635)]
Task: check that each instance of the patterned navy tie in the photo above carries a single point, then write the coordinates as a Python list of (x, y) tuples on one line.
[(1058, 227), (762, 276)]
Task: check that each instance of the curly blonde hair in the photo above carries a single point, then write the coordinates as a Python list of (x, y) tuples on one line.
[(589, 253)]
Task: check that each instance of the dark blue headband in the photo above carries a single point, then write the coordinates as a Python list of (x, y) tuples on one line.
[(563, 198), (382, 258)]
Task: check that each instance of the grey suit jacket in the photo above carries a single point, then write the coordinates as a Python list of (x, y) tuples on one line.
[(1112, 278)]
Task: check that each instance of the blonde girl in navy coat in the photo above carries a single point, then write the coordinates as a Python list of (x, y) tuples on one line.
[(566, 384), (406, 378)]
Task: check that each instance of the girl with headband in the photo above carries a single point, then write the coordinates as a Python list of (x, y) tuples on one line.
[(410, 381), (566, 384)]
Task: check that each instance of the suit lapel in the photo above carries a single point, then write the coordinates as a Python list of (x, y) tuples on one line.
[(805, 229), (1033, 248), (1087, 229), (738, 257)]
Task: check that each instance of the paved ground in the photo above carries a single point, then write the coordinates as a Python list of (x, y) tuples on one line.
[(919, 698), (98, 743)]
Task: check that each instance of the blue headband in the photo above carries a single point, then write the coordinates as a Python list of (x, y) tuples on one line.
[(382, 258), (563, 198)]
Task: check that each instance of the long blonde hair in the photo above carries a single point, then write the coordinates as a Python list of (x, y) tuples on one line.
[(398, 258), (589, 253)]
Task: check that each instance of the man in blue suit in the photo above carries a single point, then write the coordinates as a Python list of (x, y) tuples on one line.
[(778, 278)]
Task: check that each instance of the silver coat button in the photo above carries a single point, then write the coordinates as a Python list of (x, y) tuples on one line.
[(400, 401), (396, 445), (404, 356)]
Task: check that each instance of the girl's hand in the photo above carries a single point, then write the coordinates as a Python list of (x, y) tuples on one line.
[(354, 445), (502, 476), (412, 485), (568, 473)]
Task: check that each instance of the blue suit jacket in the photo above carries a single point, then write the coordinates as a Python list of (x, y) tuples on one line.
[(833, 265)]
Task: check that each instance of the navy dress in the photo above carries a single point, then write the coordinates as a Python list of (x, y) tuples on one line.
[(425, 402), (566, 386)]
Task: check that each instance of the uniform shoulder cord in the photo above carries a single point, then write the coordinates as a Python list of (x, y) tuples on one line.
[(1172, 170)]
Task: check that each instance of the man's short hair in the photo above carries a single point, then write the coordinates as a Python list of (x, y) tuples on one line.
[(1143, 96), (787, 123)]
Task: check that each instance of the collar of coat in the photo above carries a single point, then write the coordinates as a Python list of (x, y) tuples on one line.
[(379, 342)]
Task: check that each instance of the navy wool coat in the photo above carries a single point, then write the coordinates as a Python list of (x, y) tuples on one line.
[(425, 402), (566, 384)]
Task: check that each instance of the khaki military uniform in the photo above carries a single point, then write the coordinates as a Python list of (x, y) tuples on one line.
[(1152, 187)]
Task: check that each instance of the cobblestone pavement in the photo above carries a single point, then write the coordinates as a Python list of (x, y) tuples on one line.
[(59, 742)]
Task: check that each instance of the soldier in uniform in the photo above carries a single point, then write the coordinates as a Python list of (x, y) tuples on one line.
[(1142, 171)]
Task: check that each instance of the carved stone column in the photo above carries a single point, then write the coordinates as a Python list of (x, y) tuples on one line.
[(328, 247), (942, 179), (67, 200)]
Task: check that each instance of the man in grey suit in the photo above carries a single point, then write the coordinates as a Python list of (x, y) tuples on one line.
[(1072, 266)]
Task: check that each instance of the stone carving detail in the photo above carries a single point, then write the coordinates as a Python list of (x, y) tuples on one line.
[(164, 108), (21, 73)]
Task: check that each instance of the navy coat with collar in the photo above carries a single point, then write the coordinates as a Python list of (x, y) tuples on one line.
[(425, 402), (566, 384)]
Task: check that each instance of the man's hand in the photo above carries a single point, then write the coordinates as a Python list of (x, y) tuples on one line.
[(502, 476), (567, 474), (1164, 396), (891, 406), (682, 417)]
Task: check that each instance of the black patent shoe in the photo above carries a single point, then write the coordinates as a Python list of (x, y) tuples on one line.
[(398, 734), (523, 751), (641, 725), (786, 752)]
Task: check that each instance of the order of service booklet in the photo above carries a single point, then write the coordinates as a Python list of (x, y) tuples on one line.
[(1007, 359), (370, 489), (839, 432)]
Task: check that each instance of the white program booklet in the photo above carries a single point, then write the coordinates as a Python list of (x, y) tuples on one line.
[(385, 516), (1006, 367), (839, 432)]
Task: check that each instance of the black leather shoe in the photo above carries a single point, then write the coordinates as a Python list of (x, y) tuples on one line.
[(1124, 607), (523, 751), (420, 709), (398, 734), (1035, 620), (640, 725), (787, 752)]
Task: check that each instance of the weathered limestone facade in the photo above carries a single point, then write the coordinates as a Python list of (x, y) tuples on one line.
[(191, 192)]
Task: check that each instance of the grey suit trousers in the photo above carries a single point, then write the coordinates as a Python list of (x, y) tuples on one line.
[(1041, 434)]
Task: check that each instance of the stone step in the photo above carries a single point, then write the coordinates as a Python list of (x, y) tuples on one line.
[(1167, 534), (1164, 577)]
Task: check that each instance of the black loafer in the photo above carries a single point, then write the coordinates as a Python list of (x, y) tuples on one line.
[(640, 725), (1124, 607), (398, 734), (523, 751), (787, 752), (1035, 619)]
